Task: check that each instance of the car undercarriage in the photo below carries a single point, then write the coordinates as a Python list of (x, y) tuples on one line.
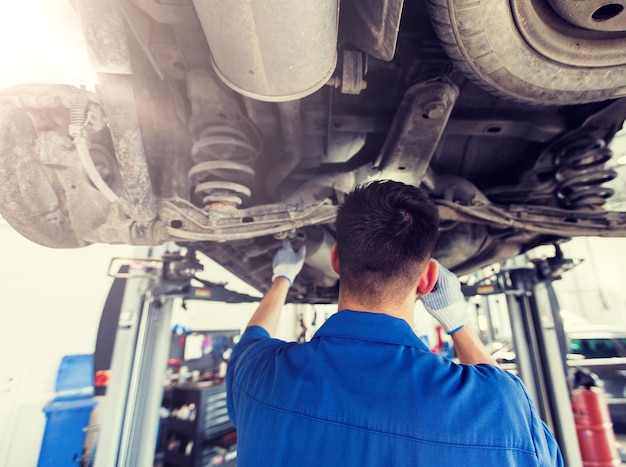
[(227, 126)]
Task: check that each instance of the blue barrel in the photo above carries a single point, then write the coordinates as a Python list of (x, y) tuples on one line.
[(68, 414), (64, 435)]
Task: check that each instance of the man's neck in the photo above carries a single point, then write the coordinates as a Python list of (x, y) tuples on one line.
[(402, 310)]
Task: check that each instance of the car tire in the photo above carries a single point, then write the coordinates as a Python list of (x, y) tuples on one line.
[(33, 203), (544, 61)]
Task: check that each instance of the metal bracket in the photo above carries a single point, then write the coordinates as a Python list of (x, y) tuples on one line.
[(416, 131)]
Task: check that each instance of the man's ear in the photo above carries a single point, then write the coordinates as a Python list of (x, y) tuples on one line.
[(334, 258), (428, 278)]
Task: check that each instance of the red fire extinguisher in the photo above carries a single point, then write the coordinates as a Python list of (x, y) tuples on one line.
[(594, 428)]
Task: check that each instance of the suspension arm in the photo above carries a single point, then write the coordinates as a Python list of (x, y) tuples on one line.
[(187, 222), (538, 219)]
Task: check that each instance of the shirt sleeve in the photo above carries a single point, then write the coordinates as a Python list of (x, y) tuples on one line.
[(546, 448), (548, 451), (251, 336), (553, 455)]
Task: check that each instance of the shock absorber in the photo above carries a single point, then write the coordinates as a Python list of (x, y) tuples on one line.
[(226, 143), (581, 173), (224, 155)]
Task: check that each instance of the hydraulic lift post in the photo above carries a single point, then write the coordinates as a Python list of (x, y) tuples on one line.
[(539, 340), (130, 414), (130, 417)]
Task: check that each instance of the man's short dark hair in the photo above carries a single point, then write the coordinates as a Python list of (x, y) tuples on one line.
[(386, 232)]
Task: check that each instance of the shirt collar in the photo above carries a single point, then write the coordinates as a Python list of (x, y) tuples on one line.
[(370, 326)]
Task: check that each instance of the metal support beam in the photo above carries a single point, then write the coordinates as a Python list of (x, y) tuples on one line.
[(141, 423), (526, 338), (524, 350), (115, 404), (544, 307), (130, 423)]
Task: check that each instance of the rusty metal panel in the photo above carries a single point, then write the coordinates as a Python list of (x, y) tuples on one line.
[(372, 25)]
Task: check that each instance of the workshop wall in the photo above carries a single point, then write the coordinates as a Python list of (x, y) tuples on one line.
[(50, 305), (594, 290)]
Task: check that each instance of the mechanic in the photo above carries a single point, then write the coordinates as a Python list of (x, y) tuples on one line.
[(365, 391)]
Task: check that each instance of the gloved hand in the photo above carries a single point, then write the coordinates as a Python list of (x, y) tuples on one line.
[(287, 262), (446, 302)]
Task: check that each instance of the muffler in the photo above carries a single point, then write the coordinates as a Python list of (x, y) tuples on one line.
[(271, 50)]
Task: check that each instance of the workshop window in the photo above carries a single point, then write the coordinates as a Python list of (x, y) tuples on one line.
[(595, 348)]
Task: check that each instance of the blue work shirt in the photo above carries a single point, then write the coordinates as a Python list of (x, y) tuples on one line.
[(365, 391)]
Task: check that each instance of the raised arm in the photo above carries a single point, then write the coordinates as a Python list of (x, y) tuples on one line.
[(286, 266), (447, 305)]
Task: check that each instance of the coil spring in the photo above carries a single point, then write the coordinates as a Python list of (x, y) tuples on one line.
[(78, 109), (224, 154), (581, 173)]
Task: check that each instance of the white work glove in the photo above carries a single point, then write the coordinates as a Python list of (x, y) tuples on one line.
[(287, 262), (446, 302)]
